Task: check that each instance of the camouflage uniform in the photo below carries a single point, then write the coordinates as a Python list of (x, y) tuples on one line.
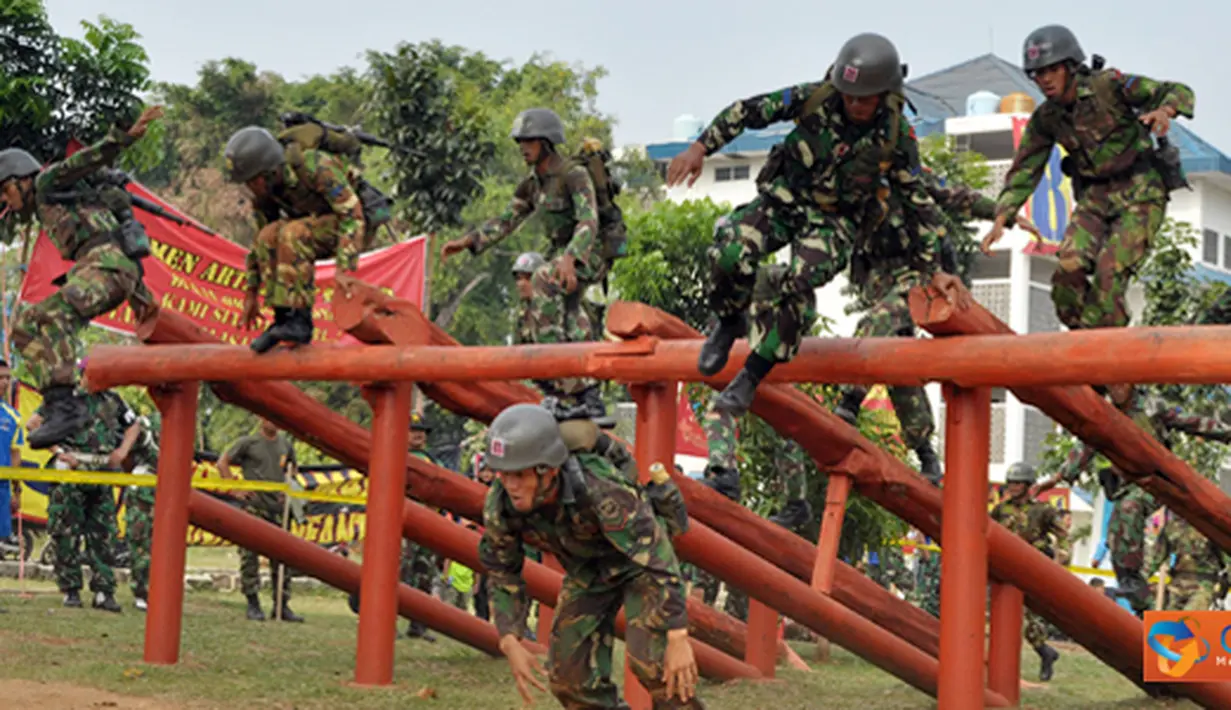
[(891, 569), (615, 553), (101, 277), (1132, 505), (565, 200), (314, 214), (1039, 524), (139, 510), (926, 594), (813, 196), (1195, 573), (1121, 199), (419, 564), (89, 511)]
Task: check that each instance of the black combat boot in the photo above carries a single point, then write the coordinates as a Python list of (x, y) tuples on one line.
[(417, 630), (929, 464), (254, 608), (1047, 660), (353, 602), (794, 515), (723, 480), (290, 616), (291, 325), (106, 601), (852, 402), (719, 342), (591, 401), (737, 398), (64, 413), (72, 599)]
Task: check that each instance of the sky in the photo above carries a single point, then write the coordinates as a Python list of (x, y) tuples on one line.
[(668, 58)]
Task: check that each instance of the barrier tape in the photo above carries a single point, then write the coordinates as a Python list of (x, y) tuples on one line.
[(111, 478)]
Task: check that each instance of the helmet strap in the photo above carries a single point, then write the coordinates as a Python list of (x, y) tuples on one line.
[(543, 492)]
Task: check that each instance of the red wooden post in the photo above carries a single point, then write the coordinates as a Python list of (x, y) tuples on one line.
[(836, 493), (1004, 655)]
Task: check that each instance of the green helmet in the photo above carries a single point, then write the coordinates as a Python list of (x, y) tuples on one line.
[(528, 263), (17, 163), (868, 64), (1020, 473), (252, 151), (1050, 45), (538, 123), (524, 436)]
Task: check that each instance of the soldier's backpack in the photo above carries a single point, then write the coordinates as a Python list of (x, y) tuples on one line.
[(597, 161)]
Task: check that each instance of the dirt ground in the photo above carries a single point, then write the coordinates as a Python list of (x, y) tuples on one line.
[(62, 696)]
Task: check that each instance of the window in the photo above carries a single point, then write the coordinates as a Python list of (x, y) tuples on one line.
[(739, 172), (1209, 246), (735, 172), (660, 166), (1226, 252), (722, 174)]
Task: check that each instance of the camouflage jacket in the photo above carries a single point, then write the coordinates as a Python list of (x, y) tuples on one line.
[(565, 202), (1194, 553), (890, 568), (71, 226), (1100, 131), (604, 533), (108, 418), (314, 184), (1034, 521), (145, 451), (1153, 414), (828, 161)]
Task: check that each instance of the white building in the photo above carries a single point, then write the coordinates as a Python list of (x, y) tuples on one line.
[(1015, 282)]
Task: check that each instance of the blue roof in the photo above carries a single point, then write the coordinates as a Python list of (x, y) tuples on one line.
[(942, 94)]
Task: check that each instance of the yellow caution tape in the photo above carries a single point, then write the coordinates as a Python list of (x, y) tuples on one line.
[(109, 478)]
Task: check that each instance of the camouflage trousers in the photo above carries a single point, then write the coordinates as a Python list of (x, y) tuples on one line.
[(418, 566), (783, 300), (552, 316), (1126, 530), (1131, 586), (1034, 630), (1219, 313), (79, 512), (583, 634), (285, 253), (139, 533), (882, 296), (46, 333), (926, 593), (267, 507), (1189, 592), (1107, 239)]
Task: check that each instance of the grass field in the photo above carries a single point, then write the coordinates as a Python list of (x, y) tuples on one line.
[(62, 658)]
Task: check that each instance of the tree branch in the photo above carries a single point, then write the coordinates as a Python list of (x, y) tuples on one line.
[(445, 316)]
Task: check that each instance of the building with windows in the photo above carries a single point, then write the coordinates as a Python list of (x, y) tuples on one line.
[(964, 102)]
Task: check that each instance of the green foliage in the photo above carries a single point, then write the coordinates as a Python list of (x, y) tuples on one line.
[(937, 151)]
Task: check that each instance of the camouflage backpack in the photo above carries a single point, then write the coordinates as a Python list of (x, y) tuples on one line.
[(597, 162)]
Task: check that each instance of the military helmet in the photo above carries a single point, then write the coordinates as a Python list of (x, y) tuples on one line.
[(17, 163), (538, 123), (1020, 473), (417, 423), (868, 64), (524, 436), (1051, 45), (252, 151), (528, 263)]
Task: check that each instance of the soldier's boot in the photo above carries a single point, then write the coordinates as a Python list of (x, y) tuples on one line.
[(72, 599), (929, 464), (291, 325), (591, 401), (852, 401), (64, 412), (106, 601), (1047, 661), (254, 608), (794, 515), (353, 602), (736, 398), (718, 344), (724, 480), (141, 604), (417, 630), (290, 616)]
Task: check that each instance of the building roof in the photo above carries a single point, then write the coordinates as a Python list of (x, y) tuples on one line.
[(942, 94)]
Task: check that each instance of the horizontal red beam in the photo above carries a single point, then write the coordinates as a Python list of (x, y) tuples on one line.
[(1102, 356)]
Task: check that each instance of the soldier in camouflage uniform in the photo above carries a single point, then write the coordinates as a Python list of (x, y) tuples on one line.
[(1132, 505), (139, 509), (564, 195), (88, 511), (1197, 567), (882, 297), (306, 209), (926, 592), (85, 231), (1039, 524), (419, 564), (823, 191), (616, 553), (891, 570), (1120, 184)]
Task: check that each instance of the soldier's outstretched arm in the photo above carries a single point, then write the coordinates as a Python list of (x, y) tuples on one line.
[(580, 188), (1028, 166), (1210, 428), (962, 201), (501, 552), (1076, 462), (493, 231), (755, 112), (66, 172), (1146, 93), (330, 178), (629, 524), (906, 174)]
